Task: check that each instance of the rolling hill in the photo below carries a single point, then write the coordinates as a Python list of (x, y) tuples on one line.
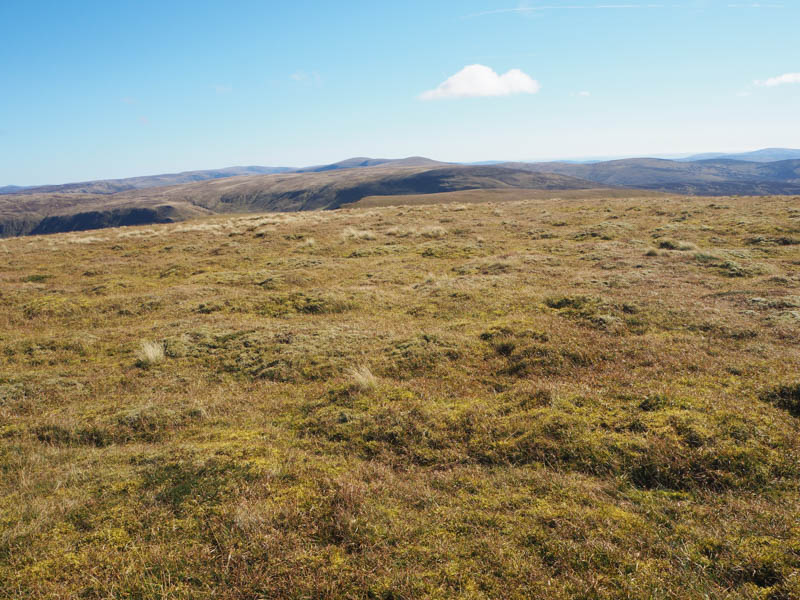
[(362, 162), (113, 186), (703, 178), (763, 155), (180, 196), (36, 213)]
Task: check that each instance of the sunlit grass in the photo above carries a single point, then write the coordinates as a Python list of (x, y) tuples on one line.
[(511, 399)]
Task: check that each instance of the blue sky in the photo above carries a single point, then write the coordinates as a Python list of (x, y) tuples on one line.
[(92, 90)]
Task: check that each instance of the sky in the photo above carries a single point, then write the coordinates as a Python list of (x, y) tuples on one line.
[(96, 90)]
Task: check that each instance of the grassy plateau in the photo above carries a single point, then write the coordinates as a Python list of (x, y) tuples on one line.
[(533, 397)]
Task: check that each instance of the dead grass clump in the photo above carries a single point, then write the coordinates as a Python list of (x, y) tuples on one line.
[(149, 353), (400, 231), (351, 233), (706, 258), (676, 245), (362, 378), (433, 232)]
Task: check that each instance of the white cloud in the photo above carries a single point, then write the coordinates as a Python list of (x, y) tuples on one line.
[(584, 94), (475, 81), (780, 80)]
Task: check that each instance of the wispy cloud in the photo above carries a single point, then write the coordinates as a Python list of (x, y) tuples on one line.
[(533, 9), (584, 94), (307, 78), (475, 81), (144, 121), (784, 79), (527, 9)]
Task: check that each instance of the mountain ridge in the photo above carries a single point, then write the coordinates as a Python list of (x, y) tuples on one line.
[(713, 177), (113, 186), (280, 192), (763, 155)]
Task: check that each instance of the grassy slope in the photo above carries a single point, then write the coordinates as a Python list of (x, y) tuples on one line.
[(113, 186), (24, 214), (559, 410), (501, 195)]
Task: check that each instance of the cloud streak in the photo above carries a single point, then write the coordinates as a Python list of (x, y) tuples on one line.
[(784, 79), (535, 9), (312, 78), (480, 81)]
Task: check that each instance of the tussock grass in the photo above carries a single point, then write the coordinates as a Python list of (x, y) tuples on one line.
[(351, 233), (362, 378), (668, 244), (433, 232), (150, 353)]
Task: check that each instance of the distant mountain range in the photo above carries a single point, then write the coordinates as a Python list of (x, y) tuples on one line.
[(765, 155), (179, 196), (47, 212), (360, 162), (113, 186), (716, 177)]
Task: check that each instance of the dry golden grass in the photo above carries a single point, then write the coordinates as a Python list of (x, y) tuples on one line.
[(574, 398), (150, 353)]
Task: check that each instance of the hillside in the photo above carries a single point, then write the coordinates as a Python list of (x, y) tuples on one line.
[(764, 155), (705, 178), (503, 195), (330, 189), (113, 186), (362, 161), (555, 399), (176, 197)]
